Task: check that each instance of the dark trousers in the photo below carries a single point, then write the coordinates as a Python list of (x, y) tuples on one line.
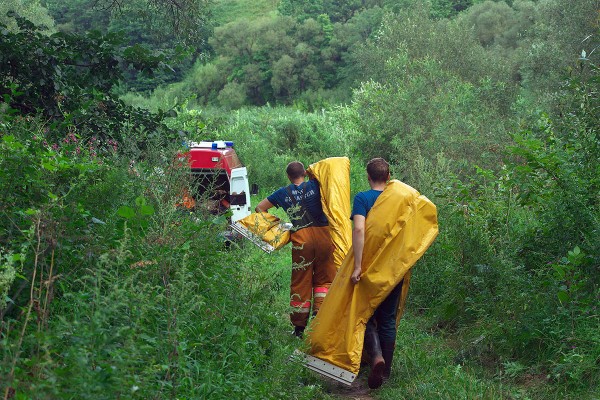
[(384, 318)]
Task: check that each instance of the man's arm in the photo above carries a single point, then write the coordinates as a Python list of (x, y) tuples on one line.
[(358, 243), (264, 205)]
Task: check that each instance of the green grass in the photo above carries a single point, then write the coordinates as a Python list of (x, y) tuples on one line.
[(225, 11), (425, 368), (426, 364)]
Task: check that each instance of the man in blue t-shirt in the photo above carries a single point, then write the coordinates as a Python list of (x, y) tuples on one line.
[(380, 332), (313, 267)]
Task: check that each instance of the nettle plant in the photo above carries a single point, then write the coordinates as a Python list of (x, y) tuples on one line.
[(568, 274)]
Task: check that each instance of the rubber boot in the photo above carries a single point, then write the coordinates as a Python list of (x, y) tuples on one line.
[(373, 349), (299, 331), (387, 350)]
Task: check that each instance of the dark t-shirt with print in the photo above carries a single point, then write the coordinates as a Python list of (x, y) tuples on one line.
[(308, 195)]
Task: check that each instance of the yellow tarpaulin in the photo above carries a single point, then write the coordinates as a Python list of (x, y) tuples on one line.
[(399, 228), (333, 175), (267, 227)]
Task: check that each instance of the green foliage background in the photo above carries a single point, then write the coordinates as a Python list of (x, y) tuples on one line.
[(490, 108)]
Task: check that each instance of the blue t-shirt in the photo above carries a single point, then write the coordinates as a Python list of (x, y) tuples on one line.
[(312, 199), (363, 202)]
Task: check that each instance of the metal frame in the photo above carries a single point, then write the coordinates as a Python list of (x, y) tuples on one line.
[(324, 368), (266, 247)]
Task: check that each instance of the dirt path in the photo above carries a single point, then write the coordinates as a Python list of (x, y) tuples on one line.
[(359, 390)]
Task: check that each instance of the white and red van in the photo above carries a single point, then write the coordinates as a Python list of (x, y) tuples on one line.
[(219, 177)]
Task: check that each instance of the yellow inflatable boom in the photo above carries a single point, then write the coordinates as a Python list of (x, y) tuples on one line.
[(333, 175), (399, 228)]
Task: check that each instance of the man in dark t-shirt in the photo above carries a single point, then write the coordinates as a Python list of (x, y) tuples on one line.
[(380, 332), (306, 194), (313, 267)]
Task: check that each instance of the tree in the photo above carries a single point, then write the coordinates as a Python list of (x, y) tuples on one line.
[(255, 83), (248, 52), (32, 10), (69, 79), (285, 78), (186, 18), (232, 96), (301, 9), (497, 23), (342, 10), (420, 108), (563, 30), (326, 26), (141, 22), (438, 9), (78, 16)]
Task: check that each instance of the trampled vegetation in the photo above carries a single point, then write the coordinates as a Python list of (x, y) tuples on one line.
[(490, 108)]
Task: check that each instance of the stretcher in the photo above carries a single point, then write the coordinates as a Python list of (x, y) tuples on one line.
[(265, 230)]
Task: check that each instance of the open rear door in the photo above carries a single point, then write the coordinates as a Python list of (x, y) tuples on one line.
[(239, 194)]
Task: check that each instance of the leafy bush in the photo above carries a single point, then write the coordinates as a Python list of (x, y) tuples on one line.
[(518, 251), (68, 79), (116, 293), (422, 109), (109, 290)]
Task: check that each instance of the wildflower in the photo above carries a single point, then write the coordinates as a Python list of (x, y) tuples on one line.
[(142, 263)]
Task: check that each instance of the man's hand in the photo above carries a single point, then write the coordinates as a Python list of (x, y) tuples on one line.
[(356, 275)]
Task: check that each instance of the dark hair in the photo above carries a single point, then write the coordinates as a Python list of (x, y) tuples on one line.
[(295, 170), (378, 170)]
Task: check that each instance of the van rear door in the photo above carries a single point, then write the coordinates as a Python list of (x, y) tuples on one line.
[(239, 194)]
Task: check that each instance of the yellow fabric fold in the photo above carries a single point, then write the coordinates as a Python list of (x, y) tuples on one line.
[(333, 175), (399, 228), (267, 227)]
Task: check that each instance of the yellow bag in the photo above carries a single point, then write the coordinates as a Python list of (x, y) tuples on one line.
[(267, 227), (399, 228), (333, 175)]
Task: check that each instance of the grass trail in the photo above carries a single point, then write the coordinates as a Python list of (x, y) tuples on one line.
[(425, 367)]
